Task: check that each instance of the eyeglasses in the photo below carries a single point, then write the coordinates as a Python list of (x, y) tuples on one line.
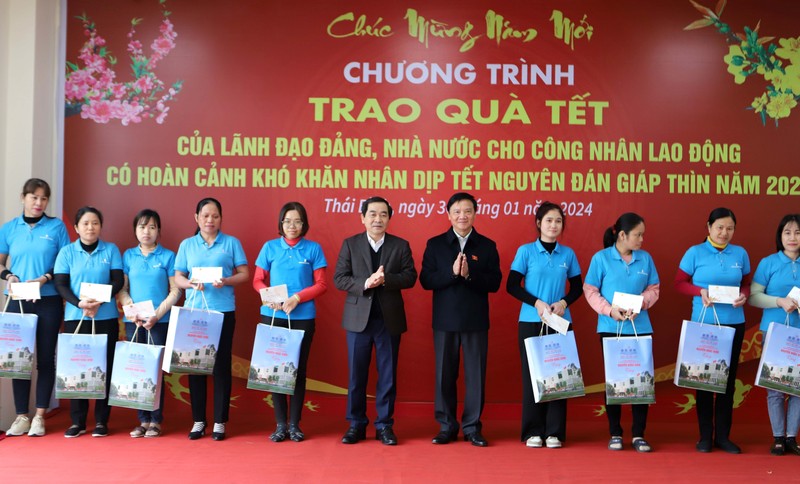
[(292, 223)]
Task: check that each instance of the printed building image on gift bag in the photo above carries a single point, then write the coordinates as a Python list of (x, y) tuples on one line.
[(136, 379), (779, 367), (629, 370), (17, 340), (192, 340), (81, 367), (276, 352), (554, 366), (704, 355)]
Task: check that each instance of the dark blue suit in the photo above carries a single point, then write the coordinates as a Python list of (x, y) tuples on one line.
[(460, 322), (373, 317)]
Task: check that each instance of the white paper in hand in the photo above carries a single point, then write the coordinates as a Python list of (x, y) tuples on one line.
[(556, 322), (794, 295), (98, 292), (274, 294), (144, 309), (27, 291), (723, 294), (628, 302), (206, 275)]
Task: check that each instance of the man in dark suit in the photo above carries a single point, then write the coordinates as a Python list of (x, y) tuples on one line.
[(461, 267), (373, 268)]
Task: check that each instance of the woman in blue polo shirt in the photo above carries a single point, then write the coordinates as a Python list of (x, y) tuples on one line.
[(623, 267), (299, 263), (149, 276), (546, 267), (91, 260), (717, 262), (32, 241), (210, 247), (775, 277)]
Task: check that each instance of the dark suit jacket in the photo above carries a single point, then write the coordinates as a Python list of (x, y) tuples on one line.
[(460, 304), (353, 268)]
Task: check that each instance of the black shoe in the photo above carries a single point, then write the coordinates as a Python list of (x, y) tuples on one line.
[(100, 430), (280, 433), (778, 446), (295, 434), (74, 431), (728, 446), (476, 439), (791, 445), (354, 434), (703, 446), (218, 433), (386, 436), (198, 430), (444, 438)]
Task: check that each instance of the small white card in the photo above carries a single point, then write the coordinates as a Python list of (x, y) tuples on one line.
[(274, 294), (144, 309), (206, 275), (723, 294), (98, 292), (27, 291), (556, 322), (628, 302), (794, 295)]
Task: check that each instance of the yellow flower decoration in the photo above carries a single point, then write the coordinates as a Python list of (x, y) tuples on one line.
[(789, 49), (791, 80), (760, 103), (781, 106), (736, 63)]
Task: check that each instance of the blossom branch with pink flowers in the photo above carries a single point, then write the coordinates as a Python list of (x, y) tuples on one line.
[(92, 89)]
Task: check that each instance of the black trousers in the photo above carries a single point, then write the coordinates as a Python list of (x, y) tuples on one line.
[(543, 419), (447, 346), (715, 410), (50, 312), (79, 409), (294, 410), (614, 412), (198, 384)]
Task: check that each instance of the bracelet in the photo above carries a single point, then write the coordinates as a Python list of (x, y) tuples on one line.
[(563, 303), (297, 297), (6, 274)]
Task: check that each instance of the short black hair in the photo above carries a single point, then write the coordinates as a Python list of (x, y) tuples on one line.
[(462, 196), (87, 209), (366, 203), (288, 207)]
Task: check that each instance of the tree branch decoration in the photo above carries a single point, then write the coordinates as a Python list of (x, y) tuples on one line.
[(751, 55), (92, 90)]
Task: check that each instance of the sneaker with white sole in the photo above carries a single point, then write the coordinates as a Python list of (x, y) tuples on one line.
[(74, 431), (534, 441), (37, 427), (552, 442), (20, 426)]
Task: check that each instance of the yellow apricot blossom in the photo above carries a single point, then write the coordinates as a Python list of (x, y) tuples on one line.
[(791, 80), (789, 49), (736, 63), (760, 103), (781, 106)]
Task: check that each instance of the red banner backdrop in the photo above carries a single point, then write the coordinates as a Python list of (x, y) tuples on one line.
[(604, 108)]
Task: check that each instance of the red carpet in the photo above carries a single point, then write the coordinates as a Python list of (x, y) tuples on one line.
[(248, 455)]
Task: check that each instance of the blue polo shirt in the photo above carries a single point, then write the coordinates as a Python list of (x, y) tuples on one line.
[(709, 266), (293, 266), (609, 272), (32, 251), (225, 252), (545, 275), (148, 276), (85, 267), (778, 274)]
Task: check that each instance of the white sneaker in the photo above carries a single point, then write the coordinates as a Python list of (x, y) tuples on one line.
[(20, 426), (37, 427), (553, 442), (534, 441)]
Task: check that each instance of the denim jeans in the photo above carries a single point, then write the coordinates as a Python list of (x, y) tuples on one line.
[(159, 335), (785, 419)]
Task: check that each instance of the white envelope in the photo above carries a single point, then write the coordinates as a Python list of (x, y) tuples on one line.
[(274, 294), (627, 301), (206, 275), (98, 292), (723, 294), (556, 322), (794, 295), (144, 309), (27, 291)]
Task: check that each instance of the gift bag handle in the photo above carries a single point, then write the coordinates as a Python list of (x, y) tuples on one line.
[(78, 328), (8, 300), (205, 302), (149, 336), (621, 324), (288, 318)]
